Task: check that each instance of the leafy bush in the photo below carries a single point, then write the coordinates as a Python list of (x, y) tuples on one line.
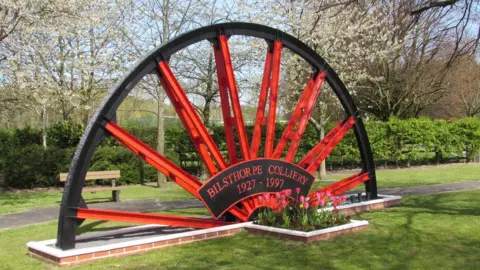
[(444, 141), (6, 145), (468, 132), (120, 158), (27, 136), (33, 166), (399, 142), (64, 134)]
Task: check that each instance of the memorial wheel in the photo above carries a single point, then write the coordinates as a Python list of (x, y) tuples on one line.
[(238, 179)]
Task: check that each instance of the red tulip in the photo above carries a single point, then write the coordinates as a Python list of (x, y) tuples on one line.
[(260, 200), (297, 190), (288, 192), (284, 203), (267, 197)]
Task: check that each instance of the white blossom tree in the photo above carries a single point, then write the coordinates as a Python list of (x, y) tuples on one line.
[(347, 34), (65, 61), (151, 23)]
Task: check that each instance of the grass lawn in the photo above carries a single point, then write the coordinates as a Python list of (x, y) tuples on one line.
[(11, 202), (427, 232), (419, 176)]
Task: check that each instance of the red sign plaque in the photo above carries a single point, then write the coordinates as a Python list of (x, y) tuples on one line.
[(250, 178)]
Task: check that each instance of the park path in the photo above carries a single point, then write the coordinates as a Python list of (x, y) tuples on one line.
[(44, 214)]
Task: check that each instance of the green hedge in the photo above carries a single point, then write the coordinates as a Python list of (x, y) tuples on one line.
[(26, 164), (64, 134), (33, 166)]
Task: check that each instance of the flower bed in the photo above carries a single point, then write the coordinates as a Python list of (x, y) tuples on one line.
[(303, 218), (302, 213)]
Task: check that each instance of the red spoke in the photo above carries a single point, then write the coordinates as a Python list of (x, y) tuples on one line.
[(230, 101), (262, 101), (125, 216), (165, 166), (162, 164), (300, 116), (272, 66), (343, 185), (203, 142), (272, 102), (314, 158)]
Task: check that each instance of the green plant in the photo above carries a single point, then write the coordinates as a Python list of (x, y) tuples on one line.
[(26, 136), (34, 166), (300, 213), (6, 145), (64, 134), (468, 132)]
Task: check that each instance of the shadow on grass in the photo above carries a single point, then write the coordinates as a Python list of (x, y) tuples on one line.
[(101, 226)]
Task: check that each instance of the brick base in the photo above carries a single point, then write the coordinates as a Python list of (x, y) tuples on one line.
[(125, 251)]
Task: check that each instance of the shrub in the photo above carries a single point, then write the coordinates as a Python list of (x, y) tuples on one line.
[(64, 134), (445, 142), (468, 132), (6, 144), (33, 166), (412, 141), (120, 158), (117, 158), (27, 136)]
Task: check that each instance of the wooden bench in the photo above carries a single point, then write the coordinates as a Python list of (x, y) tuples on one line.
[(101, 175)]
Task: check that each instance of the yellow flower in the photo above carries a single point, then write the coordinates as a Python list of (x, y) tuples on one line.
[(301, 205)]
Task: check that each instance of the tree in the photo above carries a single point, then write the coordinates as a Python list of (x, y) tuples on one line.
[(150, 24), (346, 34), (64, 64), (432, 39), (463, 92), (467, 85), (20, 14)]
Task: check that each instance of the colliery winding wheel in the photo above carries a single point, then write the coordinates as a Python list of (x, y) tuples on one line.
[(239, 179)]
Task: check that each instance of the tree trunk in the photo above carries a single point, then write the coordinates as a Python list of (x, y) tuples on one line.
[(44, 125), (161, 179), (206, 113), (320, 128), (141, 170), (323, 166)]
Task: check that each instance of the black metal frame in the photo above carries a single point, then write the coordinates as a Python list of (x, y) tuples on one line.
[(95, 131)]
